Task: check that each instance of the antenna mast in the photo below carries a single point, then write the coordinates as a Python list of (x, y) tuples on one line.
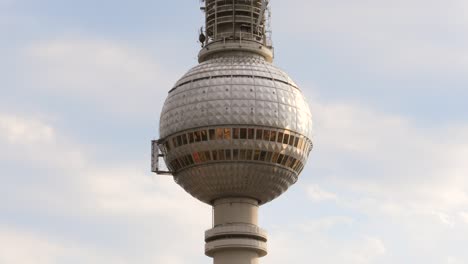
[(236, 25)]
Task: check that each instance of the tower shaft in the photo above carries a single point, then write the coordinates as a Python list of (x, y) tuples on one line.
[(235, 237)]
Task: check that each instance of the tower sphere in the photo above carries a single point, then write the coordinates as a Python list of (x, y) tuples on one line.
[(236, 126), (235, 130)]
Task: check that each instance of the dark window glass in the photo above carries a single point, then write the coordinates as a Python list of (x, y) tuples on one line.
[(243, 133), (191, 138), (256, 155), (259, 134), (196, 157), (295, 165), (228, 154), (190, 159), (179, 141), (249, 154), (291, 140), (273, 136), (298, 165), (215, 154), (235, 154), (251, 133), (283, 162), (268, 156), (262, 155), (204, 135), (242, 154), (280, 137), (266, 134), (286, 138), (212, 134), (275, 157), (280, 158), (182, 162), (221, 155), (184, 139), (177, 164), (296, 142), (197, 136), (208, 156), (174, 142), (202, 156), (227, 133), (219, 133), (301, 141), (235, 133), (167, 146)]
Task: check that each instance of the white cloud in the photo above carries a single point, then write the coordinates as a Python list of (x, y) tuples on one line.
[(110, 75), (22, 247), (425, 170), (322, 247), (25, 131), (445, 218), (134, 205), (371, 249), (464, 216), (326, 223), (30, 139), (317, 194), (391, 37)]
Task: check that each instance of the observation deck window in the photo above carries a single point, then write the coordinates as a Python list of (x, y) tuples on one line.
[(251, 133), (266, 135), (219, 133), (259, 134), (227, 133), (272, 136), (243, 133), (280, 137), (204, 135), (256, 154), (249, 154), (212, 134), (235, 133)]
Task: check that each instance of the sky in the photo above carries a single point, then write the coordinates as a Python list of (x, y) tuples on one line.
[(83, 83)]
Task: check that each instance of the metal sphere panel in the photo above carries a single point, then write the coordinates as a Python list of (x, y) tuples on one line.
[(214, 181), (235, 90), (235, 126)]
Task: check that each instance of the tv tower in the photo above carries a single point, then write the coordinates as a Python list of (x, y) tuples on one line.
[(235, 130)]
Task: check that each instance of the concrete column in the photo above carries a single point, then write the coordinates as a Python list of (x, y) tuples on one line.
[(235, 237)]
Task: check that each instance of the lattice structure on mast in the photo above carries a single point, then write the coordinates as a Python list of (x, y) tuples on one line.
[(236, 21)]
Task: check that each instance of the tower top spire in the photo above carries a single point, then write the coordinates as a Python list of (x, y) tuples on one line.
[(235, 25)]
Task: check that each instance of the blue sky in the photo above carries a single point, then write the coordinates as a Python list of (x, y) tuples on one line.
[(83, 84)]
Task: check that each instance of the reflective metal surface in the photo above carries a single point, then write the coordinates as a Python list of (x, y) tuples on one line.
[(243, 90), (229, 93)]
